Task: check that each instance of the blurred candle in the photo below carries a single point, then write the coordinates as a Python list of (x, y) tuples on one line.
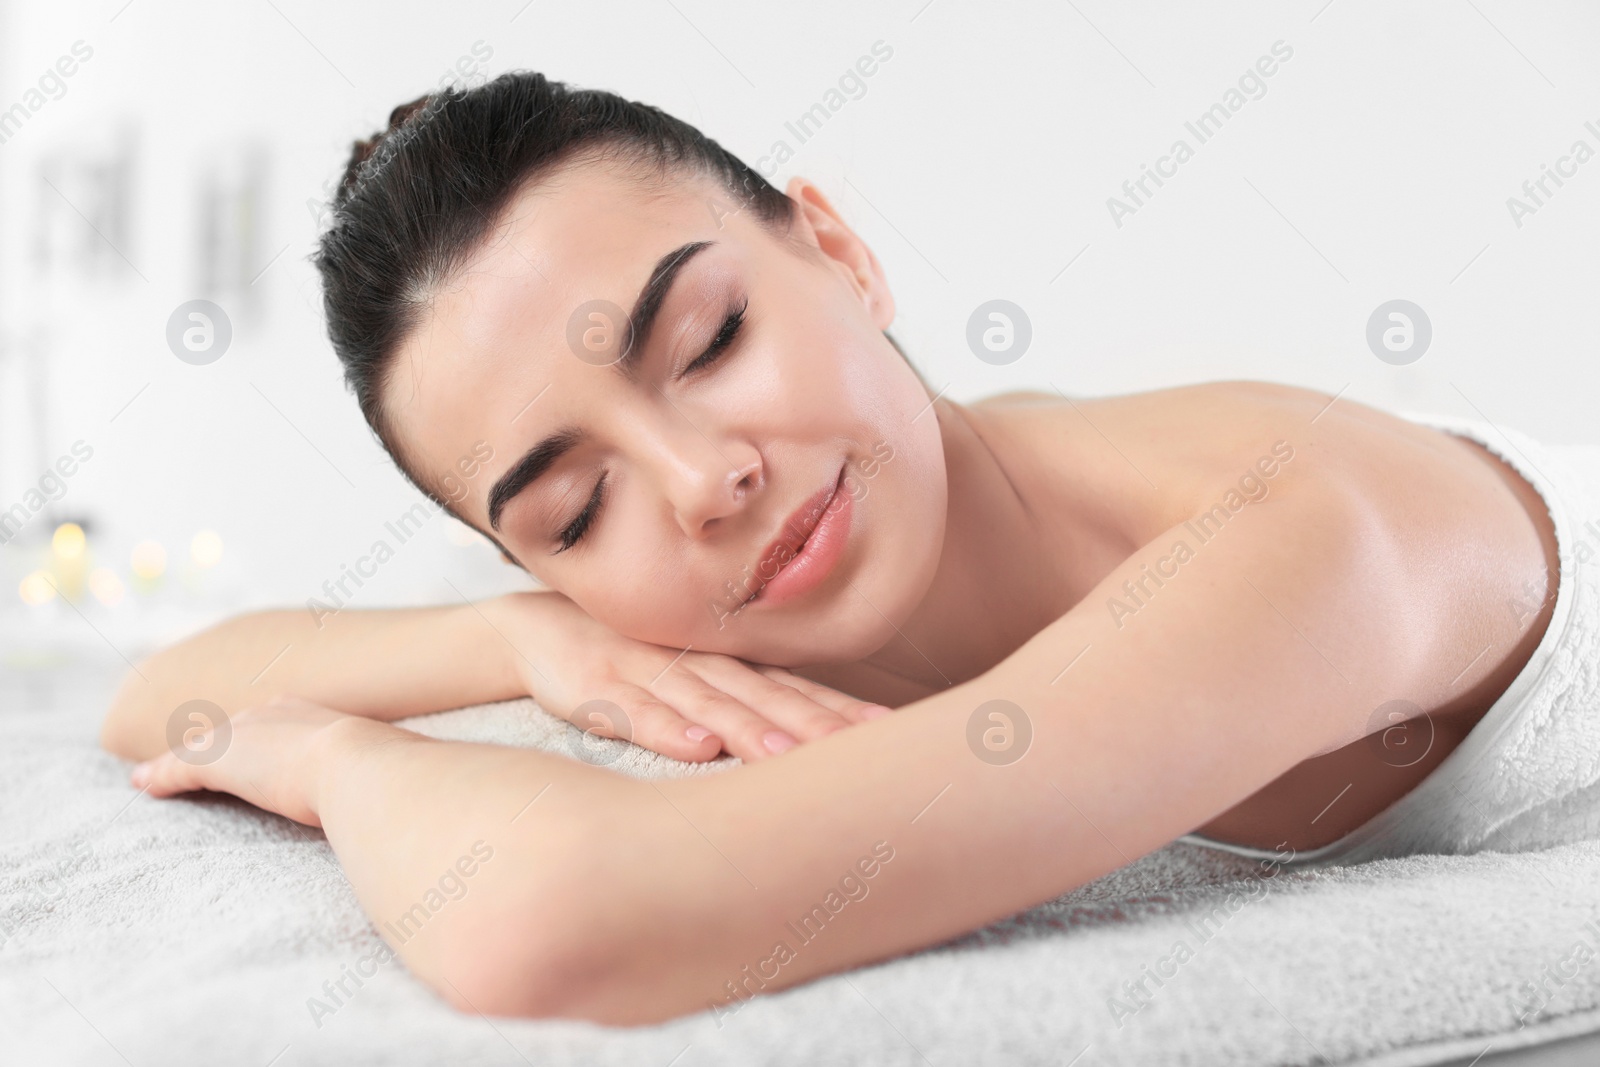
[(68, 540), (68, 546), (36, 589), (206, 548)]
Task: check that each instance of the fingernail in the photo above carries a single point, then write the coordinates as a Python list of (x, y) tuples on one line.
[(141, 774), (777, 741), (875, 711), (696, 733)]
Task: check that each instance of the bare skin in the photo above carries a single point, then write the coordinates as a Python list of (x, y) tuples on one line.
[(1028, 431), (982, 566)]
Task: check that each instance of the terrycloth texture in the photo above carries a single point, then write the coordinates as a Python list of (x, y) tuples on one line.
[(1528, 774), (196, 931)]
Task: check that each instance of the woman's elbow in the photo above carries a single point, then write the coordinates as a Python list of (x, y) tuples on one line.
[(587, 936), (517, 979), (546, 959)]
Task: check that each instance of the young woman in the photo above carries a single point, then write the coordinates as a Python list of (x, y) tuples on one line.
[(665, 390)]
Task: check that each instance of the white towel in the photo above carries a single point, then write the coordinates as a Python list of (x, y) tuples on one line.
[(203, 931)]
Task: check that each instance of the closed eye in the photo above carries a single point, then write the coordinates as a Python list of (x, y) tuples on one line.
[(720, 344), (579, 526)]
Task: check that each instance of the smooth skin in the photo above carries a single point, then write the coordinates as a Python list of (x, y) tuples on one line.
[(395, 663), (1377, 566)]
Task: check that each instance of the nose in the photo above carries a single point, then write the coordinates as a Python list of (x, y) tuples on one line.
[(706, 479)]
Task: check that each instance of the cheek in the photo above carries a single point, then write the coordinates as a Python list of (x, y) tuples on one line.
[(908, 494), (626, 606), (838, 397), (638, 593), (917, 477)]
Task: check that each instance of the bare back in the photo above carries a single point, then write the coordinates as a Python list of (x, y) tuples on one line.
[(1454, 528)]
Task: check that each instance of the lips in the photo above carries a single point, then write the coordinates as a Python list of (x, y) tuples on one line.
[(797, 529)]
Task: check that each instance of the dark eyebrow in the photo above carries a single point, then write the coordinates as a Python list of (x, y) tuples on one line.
[(531, 466), (636, 331), (635, 336)]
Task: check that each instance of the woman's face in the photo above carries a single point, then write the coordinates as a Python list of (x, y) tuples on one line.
[(704, 454)]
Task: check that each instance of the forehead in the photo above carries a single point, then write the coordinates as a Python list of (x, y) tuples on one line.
[(494, 336)]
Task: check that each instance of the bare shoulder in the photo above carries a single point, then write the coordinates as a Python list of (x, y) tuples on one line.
[(1152, 460), (1161, 454), (1431, 516), (1367, 560), (1396, 547), (1181, 441)]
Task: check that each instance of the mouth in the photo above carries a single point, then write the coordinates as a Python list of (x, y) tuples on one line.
[(804, 553)]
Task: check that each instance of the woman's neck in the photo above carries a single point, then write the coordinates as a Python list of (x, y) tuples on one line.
[(997, 583)]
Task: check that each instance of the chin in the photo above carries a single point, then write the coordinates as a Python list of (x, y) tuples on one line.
[(854, 622)]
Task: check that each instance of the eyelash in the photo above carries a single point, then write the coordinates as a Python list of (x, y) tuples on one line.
[(574, 532), (725, 338), (714, 352)]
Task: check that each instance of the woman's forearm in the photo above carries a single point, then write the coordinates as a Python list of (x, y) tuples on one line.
[(384, 664), (457, 852), (479, 864)]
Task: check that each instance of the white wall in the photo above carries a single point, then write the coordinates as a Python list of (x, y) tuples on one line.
[(978, 162)]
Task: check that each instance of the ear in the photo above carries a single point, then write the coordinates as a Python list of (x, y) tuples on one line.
[(844, 249)]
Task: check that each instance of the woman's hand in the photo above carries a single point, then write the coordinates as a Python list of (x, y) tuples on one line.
[(687, 705), (270, 755)]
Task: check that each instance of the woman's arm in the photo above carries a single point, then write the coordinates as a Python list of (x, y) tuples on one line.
[(389, 664), (386, 664), (627, 901)]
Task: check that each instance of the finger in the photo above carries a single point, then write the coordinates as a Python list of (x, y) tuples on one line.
[(852, 708), (804, 707), (745, 732), (650, 723), (663, 730), (166, 775), (783, 705)]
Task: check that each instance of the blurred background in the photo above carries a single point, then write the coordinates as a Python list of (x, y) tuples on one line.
[(176, 444)]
